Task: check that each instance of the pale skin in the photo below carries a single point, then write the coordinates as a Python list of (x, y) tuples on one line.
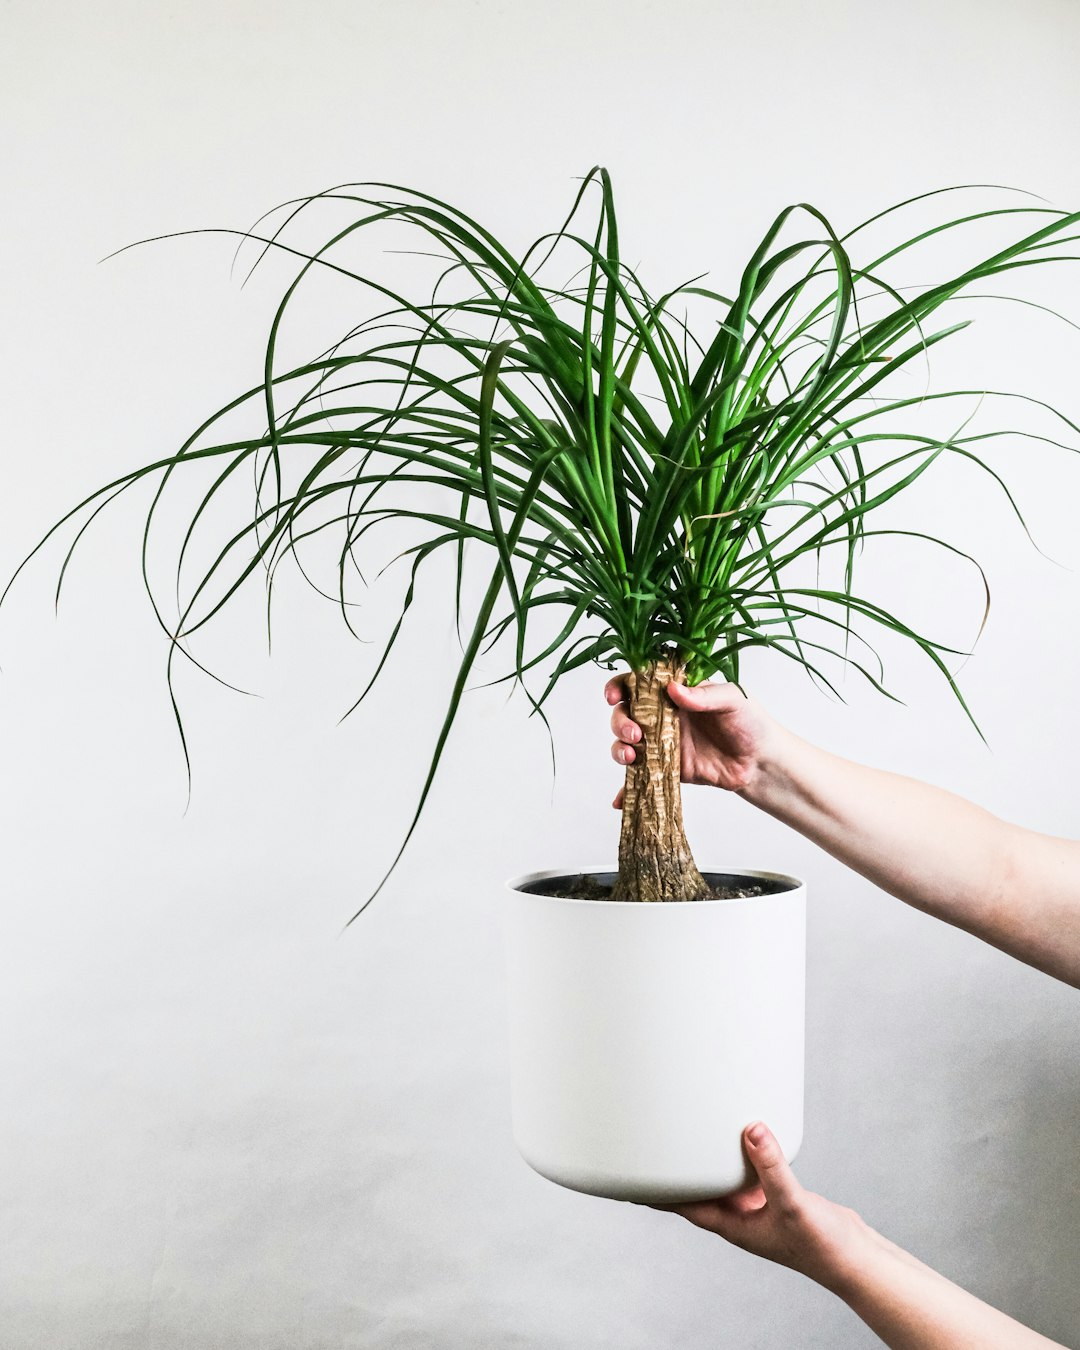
[(1014, 888)]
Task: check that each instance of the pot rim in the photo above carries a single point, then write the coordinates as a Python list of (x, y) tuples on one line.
[(516, 884)]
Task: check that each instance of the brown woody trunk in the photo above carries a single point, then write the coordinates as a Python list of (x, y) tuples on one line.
[(655, 862)]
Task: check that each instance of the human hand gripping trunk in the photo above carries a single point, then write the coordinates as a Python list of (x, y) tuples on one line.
[(1012, 887)]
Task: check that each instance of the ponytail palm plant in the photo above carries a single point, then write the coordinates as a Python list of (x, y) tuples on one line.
[(654, 487)]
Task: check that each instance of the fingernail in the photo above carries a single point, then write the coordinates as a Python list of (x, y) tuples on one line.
[(755, 1134)]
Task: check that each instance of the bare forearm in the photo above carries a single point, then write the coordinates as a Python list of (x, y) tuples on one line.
[(1013, 888), (912, 1307), (930, 848)]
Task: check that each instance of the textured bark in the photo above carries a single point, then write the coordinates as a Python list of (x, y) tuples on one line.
[(655, 862)]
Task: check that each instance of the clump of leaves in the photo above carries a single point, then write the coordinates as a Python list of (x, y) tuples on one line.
[(656, 482)]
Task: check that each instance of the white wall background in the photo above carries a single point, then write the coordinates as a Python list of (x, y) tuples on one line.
[(224, 1125)]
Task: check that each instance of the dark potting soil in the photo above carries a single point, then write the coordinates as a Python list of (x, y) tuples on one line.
[(598, 886)]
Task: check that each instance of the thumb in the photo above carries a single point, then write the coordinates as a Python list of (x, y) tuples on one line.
[(706, 697), (767, 1159)]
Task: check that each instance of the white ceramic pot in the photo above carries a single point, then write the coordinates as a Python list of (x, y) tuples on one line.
[(645, 1037)]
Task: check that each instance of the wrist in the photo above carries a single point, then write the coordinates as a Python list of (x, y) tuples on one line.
[(843, 1263), (772, 782)]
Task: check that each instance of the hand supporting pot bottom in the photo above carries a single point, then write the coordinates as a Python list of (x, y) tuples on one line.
[(908, 1305)]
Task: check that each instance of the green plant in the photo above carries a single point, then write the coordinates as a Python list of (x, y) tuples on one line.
[(660, 489)]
